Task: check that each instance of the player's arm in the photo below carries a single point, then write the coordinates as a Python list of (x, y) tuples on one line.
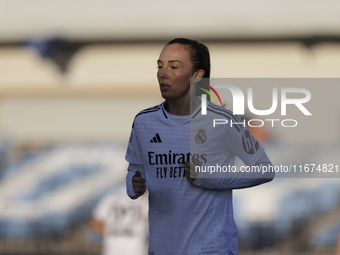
[(241, 143), (135, 178), (233, 180), (135, 181)]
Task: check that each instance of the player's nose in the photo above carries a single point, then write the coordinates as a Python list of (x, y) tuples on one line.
[(162, 73)]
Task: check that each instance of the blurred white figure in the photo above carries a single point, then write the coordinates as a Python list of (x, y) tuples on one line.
[(122, 222)]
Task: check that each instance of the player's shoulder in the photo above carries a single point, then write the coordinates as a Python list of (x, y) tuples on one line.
[(226, 117), (148, 112), (221, 111)]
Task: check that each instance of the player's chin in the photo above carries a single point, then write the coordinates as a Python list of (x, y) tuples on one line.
[(166, 95)]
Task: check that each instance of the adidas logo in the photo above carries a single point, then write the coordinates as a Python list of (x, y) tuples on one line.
[(156, 139)]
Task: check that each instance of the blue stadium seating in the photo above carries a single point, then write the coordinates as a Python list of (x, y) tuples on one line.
[(47, 194)]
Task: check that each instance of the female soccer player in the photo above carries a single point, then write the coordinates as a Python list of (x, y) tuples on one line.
[(189, 213)]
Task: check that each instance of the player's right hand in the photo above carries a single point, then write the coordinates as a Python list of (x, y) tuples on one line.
[(138, 183)]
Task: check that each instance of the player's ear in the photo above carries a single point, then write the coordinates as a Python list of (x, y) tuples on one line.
[(198, 75)]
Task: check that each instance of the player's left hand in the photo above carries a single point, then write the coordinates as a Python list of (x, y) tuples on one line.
[(190, 172)]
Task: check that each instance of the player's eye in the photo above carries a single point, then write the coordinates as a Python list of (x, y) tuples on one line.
[(174, 67), (159, 67)]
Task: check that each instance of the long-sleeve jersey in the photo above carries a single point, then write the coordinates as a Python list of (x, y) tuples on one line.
[(196, 218)]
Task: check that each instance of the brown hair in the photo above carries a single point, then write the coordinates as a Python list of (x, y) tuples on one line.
[(199, 54)]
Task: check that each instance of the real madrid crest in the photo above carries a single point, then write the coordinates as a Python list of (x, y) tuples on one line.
[(201, 137)]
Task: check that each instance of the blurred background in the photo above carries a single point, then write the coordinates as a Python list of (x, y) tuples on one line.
[(73, 74)]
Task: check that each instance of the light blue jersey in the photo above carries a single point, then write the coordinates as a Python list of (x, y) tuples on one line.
[(189, 218)]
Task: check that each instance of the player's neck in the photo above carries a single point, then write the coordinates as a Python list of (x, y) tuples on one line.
[(182, 107)]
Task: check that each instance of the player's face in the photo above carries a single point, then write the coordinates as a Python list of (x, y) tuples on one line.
[(174, 72)]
